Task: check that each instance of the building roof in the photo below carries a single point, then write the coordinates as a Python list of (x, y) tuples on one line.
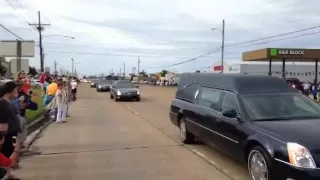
[(239, 83), (277, 54)]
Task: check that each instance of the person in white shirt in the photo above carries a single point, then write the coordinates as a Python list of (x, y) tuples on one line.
[(61, 101), (74, 85), (306, 88)]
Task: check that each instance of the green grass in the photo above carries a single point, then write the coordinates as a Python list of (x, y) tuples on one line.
[(32, 115)]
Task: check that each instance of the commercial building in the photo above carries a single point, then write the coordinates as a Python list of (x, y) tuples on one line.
[(279, 62), (304, 72)]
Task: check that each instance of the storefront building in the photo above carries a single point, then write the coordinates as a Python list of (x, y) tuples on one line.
[(285, 55)]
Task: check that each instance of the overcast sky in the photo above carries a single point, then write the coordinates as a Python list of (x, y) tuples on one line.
[(161, 32)]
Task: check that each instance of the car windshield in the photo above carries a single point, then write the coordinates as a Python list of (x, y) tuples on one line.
[(124, 85), (280, 106)]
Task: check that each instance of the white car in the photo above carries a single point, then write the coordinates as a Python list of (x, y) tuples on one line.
[(35, 83), (4, 80)]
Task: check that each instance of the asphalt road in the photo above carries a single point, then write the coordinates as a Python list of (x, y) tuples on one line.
[(104, 139)]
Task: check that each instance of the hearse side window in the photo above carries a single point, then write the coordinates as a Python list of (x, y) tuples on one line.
[(229, 101), (209, 98), (188, 92)]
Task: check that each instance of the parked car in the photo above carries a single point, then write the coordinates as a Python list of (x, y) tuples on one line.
[(35, 83), (295, 83), (103, 85), (124, 90), (4, 80), (257, 120)]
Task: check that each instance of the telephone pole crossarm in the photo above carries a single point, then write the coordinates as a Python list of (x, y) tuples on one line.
[(40, 28)]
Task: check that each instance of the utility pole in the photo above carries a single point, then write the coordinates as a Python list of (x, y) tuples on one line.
[(55, 67), (40, 28), (120, 72), (72, 60), (138, 67), (222, 46), (124, 69), (19, 51)]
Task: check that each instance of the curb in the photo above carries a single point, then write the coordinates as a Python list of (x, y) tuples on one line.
[(35, 134)]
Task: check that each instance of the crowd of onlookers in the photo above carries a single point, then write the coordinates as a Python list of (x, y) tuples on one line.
[(16, 97)]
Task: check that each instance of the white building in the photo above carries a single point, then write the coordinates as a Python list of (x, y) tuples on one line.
[(304, 72)]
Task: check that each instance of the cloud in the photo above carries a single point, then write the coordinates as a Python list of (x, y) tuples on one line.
[(162, 32)]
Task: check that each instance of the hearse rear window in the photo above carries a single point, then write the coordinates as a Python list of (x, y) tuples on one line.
[(188, 92), (209, 98)]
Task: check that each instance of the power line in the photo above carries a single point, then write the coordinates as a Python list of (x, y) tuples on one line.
[(117, 50), (18, 13), (189, 60), (192, 59), (276, 40), (106, 54), (236, 44), (265, 42), (11, 32), (269, 37)]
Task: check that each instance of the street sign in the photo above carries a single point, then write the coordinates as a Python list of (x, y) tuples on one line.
[(9, 48)]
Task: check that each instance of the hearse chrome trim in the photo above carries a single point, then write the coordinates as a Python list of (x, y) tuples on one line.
[(282, 161), (213, 131)]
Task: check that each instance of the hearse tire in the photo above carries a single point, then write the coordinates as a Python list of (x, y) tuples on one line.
[(185, 136)]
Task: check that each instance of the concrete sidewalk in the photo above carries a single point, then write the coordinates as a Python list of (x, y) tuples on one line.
[(103, 140)]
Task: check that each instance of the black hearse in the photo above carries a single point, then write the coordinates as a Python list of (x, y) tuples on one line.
[(261, 120)]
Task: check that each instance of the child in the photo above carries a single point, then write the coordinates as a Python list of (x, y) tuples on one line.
[(61, 100)]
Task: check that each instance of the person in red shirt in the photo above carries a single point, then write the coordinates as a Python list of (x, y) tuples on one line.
[(25, 80), (7, 162)]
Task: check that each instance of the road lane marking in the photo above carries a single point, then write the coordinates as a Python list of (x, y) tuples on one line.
[(195, 152), (132, 110)]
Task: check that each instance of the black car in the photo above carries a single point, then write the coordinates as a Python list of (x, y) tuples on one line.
[(103, 85), (124, 90), (260, 120)]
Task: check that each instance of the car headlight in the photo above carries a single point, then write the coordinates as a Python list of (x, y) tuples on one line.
[(138, 92), (300, 156), (118, 93), (294, 86), (92, 83), (99, 86)]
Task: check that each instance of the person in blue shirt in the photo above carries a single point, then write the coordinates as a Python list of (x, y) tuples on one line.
[(314, 90), (22, 103)]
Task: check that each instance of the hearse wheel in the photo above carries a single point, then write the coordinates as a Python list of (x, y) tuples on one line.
[(259, 164), (185, 136)]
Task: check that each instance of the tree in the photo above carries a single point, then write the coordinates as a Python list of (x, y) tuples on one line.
[(143, 73), (163, 73), (33, 71)]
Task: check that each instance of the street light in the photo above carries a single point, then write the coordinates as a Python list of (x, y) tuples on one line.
[(222, 43), (58, 35), (41, 48)]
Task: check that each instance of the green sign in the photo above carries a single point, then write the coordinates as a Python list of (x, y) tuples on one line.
[(276, 52), (273, 52)]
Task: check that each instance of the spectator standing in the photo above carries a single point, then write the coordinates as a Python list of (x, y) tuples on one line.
[(6, 162), (25, 81), (42, 79), (306, 88), (60, 103), (24, 102), (314, 90), (9, 112), (51, 90), (74, 86)]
